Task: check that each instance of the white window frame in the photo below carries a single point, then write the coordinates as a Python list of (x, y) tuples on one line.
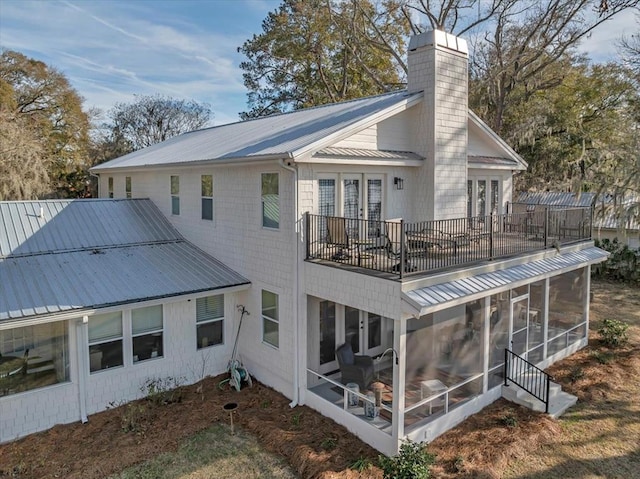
[(107, 340), (271, 319), (474, 194), (262, 201), (160, 353), (127, 187), (175, 196), (210, 320), (206, 197), (110, 187)]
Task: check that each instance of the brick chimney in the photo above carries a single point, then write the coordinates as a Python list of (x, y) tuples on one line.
[(438, 66)]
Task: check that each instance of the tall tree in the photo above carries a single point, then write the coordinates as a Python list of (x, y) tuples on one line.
[(149, 120), (24, 169), (38, 100), (312, 52)]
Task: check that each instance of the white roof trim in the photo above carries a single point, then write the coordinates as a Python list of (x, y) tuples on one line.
[(440, 296), (350, 130), (510, 152)]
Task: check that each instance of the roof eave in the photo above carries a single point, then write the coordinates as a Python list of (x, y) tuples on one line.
[(511, 153), (302, 154)]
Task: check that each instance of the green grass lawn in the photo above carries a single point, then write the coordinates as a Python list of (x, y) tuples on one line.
[(211, 454)]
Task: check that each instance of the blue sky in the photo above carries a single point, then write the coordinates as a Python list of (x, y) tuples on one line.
[(111, 50)]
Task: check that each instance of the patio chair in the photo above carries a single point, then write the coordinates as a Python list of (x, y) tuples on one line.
[(355, 368), (338, 237)]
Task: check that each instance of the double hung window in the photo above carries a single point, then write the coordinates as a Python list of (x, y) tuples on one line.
[(147, 333), (175, 195), (270, 318), (210, 321), (105, 341)]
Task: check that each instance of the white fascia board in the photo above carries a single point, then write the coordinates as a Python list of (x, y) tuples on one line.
[(336, 160), (244, 161), (78, 313), (522, 165), (495, 290), (307, 151), (485, 166)]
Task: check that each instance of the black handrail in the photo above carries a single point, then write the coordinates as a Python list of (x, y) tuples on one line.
[(402, 248), (518, 370)]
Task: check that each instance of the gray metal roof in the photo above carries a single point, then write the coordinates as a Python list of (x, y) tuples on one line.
[(77, 224), (557, 198), (370, 154), (492, 160), (622, 215), (61, 263), (484, 283), (275, 136)]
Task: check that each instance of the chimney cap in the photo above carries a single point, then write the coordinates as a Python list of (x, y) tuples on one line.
[(438, 38)]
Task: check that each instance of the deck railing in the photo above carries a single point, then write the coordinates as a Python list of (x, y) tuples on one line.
[(401, 248)]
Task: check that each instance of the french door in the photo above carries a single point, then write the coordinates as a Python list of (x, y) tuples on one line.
[(340, 324), (519, 325)]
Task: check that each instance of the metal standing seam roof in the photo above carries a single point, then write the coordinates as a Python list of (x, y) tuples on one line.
[(491, 160), (439, 294), (332, 152), (271, 136), (557, 198), (88, 268)]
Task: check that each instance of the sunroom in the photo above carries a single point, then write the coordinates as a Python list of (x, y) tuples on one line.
[(443, 357)]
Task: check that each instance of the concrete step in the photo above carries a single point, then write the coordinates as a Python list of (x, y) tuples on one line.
[(559, 401)]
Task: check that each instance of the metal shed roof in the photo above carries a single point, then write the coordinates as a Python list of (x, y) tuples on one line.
[(73, 259), (76, 224), (557, 198), (424, 299), (275, 136)]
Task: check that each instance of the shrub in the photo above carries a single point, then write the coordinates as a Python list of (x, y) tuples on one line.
[(509, 420), (576, 374), (413, 462), (602, 357), (361, 464), (132, 417), (613, 333), (162, 390), (622, 265), (329, 443)]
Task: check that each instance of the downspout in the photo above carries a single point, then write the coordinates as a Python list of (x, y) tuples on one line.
[(82, 339), (296, 342)]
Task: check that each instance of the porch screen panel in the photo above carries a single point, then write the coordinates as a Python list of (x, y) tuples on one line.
[(498, 336), (566, 310), (374, 207), (536, 311), (469, 198)]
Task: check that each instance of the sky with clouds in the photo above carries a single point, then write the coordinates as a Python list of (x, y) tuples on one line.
[(111, 50)]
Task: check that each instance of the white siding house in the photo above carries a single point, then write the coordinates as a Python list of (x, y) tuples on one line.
[(376, 227)]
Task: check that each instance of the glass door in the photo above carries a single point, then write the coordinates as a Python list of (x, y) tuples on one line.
[(519, 322)]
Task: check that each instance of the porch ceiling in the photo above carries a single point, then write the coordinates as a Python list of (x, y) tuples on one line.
[(424, 300)]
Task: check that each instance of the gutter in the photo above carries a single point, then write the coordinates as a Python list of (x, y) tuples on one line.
[(296, 289)]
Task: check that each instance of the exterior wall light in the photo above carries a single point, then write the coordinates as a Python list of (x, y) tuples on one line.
[(399, 182)]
